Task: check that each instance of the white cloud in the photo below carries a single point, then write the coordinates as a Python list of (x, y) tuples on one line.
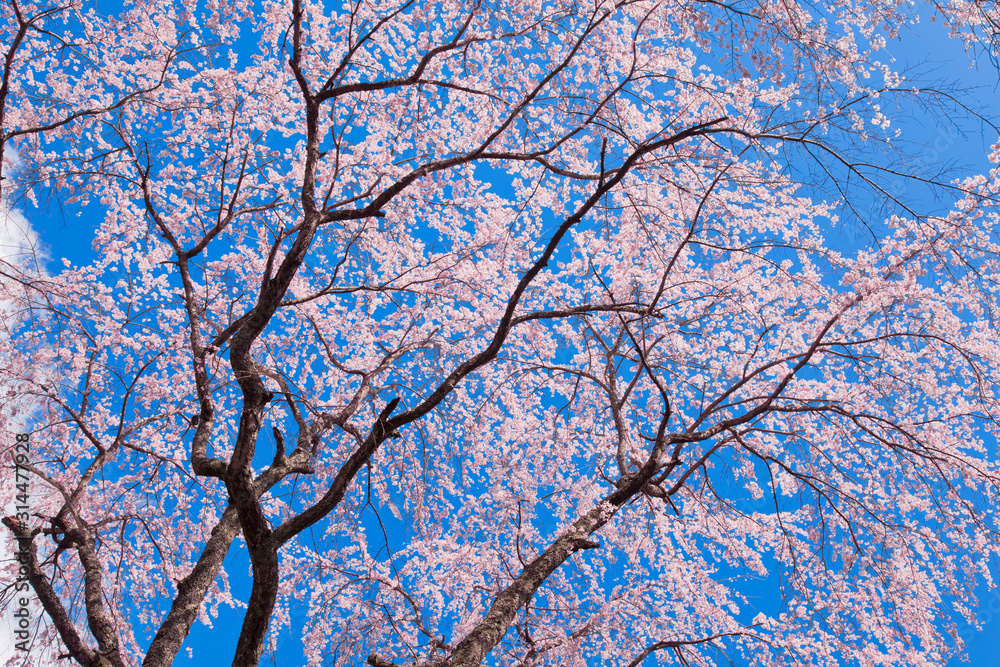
[(18, 246)]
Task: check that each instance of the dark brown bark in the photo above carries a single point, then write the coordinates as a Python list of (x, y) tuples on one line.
[(192, 589), (256, 530), (473, 649), (93, 594), (191, 592), (49, 599), (488, 634), (379, 432)]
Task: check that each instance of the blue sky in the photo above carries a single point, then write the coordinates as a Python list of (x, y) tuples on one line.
[(68, 235)]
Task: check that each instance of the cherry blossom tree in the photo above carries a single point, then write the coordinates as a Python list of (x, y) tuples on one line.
[(558, 286)]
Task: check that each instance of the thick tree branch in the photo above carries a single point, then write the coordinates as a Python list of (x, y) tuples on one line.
[(49, 599)]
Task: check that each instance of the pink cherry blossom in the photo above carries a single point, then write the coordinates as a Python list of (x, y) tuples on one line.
[(512, 334)]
